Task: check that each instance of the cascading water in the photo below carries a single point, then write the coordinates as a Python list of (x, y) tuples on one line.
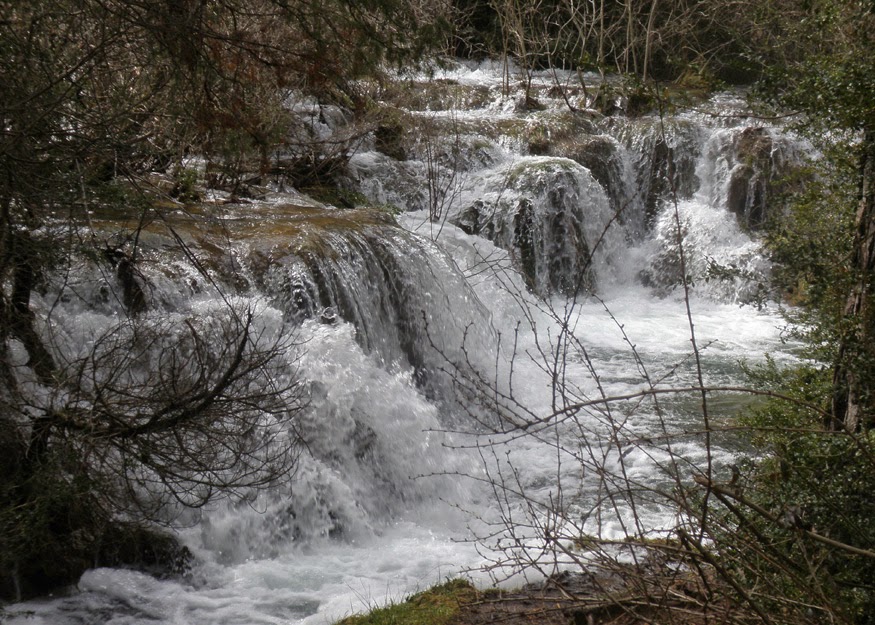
[(357, 266), (511, 222), (736, 170), (547, 211)]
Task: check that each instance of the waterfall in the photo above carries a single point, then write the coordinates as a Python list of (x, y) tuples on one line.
[(585, 203), (551, 214), (402, 294), (493, 227), (737, 172), (368, 314)]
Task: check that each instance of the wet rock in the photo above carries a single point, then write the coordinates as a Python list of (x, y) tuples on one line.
[(754, 178), (544, 212), (388, 139)]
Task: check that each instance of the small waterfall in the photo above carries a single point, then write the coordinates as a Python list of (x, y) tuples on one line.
[(614, 167), (737, 172), (662, 156), (584, 202), (551, 214), (403, 295), (406, 299), (744, 168)]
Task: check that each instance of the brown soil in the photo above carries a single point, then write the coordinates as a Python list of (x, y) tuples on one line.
[(565, 599), (580, 599)]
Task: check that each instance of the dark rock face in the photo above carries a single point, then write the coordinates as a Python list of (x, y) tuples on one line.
[(388, 139), (79, 547), (542, 214), (672, 170), (145, 549), (557, 238), (663, 157), (754, 178), (598, 153)]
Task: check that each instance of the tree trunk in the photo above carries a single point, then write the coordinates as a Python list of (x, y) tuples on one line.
[(648, 41), (21, 317), (853, 404)]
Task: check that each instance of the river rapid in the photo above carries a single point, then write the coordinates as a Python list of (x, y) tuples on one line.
[(454, 365)]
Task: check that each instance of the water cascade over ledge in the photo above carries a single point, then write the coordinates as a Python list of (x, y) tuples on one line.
[(512, 248)]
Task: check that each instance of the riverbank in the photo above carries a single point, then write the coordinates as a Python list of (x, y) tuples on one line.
[(669, 595)]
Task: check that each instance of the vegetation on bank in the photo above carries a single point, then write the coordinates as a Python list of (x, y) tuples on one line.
[(439, 605), (103, 103)]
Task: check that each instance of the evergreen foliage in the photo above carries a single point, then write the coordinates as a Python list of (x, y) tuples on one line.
[(815, 480), (810, 238), (827, 73), (810, 484)]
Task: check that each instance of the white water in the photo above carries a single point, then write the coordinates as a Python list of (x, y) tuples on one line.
[(248, 573), (380, 506)]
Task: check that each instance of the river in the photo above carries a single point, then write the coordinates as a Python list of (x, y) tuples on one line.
[(454, 365)]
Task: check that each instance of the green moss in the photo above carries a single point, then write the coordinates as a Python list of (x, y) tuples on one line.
[(436, 606), (438, 94), (527, 175), (542, 131), (186, 188), (335, 196)]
